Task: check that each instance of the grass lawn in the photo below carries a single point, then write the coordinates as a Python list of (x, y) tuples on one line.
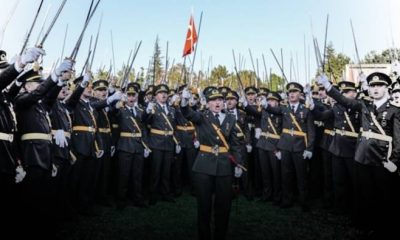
[(249, 220)]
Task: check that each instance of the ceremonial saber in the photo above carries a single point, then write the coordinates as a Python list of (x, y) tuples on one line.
[(52, 23), (65, 38), (254, 68), (78, 43), (32, 26), (233, 160), (355, 45), (279, 65), (237, 73), (43, 24), (10, 15), (326, 36), (195, 48), (95, 43)]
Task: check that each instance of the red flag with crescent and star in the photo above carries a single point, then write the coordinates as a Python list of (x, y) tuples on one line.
[(191, 38)]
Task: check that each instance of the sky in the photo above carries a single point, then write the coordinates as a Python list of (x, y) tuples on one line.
[(227, 24)]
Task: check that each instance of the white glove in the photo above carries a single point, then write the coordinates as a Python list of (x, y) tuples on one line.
[(178, 149), (115, 97), (20, 174), (307, 89), (54, 171), (257, 132), (146, 153), (186, 94), (390, 166), (307, 154), (324, 81), (278, 155), (65, 66), (310, 102), (150, 107), (362, 78), (31, 55), (60, 139), (249, 148), (243, 101), (238, 172), (174, 98), (263, 102), (196, 144), (112, 151), (86, 79)]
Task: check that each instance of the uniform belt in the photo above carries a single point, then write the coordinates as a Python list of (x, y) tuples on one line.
[(376, 136), (161, 132), (115, 126), (239, 135), (104, 130), (131, 135), (329, 132), (83, 129), (6, 137), (185, 128), (213, 149), (294, 132), (66, 134), (319, 123), (270, 135), (36, 136), (346, 133)]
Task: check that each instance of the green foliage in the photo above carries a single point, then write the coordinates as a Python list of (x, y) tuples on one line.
[(386, 56), (335, 64)]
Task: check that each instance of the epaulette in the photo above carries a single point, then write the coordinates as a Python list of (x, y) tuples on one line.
[(284, 104), (367, 98), (242, 111), (395, 103)]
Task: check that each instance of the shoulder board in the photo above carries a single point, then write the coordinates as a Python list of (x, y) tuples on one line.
[(367, 98), (284, 104), (241, 111), (395, 103)]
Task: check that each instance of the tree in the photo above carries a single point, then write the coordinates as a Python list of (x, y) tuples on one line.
[(386, 56), (276, 83), (335, 63), (218, 76), (155, 69)]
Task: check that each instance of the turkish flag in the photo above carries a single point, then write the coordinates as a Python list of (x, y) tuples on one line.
[(191, 38)]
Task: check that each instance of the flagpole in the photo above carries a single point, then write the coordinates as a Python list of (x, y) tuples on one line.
[(195, 49)]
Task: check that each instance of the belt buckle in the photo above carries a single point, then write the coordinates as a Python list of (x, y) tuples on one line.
[(291, 132), (11, 137), (342, 132), (90, 129), (215, 150)]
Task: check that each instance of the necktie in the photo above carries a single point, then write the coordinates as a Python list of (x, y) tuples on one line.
[(165, 109), (217, 117), (293, 109), (133, 112)]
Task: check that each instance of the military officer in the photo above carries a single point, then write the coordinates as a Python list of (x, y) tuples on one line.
[(161, 120), (132, 148), (296, 145), (377, 153), (213, 167)]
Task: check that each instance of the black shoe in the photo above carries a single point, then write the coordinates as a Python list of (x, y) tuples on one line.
[(169, 199)]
